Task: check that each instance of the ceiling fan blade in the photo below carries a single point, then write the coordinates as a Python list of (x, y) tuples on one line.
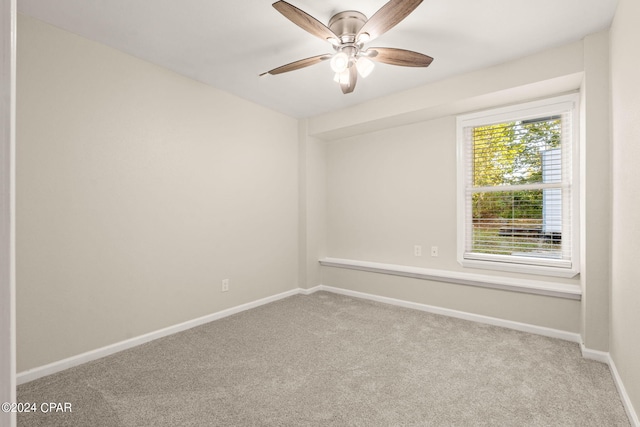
[(387, 17), (405, 58), (348, 87), (298, 64), (304, 20)]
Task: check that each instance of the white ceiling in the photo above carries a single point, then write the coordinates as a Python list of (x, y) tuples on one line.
[(226, 44)]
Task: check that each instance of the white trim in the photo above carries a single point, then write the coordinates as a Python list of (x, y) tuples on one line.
[(587, 353), (597, 355), (52, 368), (560, 290), (604, 357), (7, 206), (310, 290), (509, 324), (552, 105), (600, 356), (622, 391), (544, 267), (493, 263)]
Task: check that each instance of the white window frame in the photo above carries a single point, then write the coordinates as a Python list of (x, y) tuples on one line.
[(540, 108)]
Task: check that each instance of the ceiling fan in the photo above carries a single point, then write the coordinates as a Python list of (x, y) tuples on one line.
[(348, 32)]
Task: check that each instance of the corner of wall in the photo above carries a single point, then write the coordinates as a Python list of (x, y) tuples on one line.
[(312, 206), (625, 110), (595, 193)]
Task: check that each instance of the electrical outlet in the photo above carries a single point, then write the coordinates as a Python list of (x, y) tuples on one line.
[(417, 250), (434, 251), (225, 285)]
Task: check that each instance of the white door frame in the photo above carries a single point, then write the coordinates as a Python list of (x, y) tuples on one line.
[(7, 208)]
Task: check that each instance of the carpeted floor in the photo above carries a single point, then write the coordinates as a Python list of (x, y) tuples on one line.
[(332, 360)]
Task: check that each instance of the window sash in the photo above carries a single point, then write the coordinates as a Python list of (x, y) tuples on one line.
[(565, 256), (541, 237)]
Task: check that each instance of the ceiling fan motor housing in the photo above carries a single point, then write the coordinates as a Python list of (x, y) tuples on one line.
[(347, 24)]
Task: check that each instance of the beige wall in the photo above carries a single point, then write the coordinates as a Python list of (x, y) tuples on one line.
[(312, 202), (138, 191), (539, 75), (393, 189), (625, 288), (391, 184), (595, 193)]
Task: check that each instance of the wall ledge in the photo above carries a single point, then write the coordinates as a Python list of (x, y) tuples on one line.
[(537, 287)]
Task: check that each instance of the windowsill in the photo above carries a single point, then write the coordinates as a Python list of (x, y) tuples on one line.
[(537, 287), (539, 270)]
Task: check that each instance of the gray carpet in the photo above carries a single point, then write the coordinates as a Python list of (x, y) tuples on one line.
[(332, 360)]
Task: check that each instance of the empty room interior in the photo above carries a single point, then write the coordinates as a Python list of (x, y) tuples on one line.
[(213, 224)]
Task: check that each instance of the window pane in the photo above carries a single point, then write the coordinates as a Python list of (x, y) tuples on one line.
[(521, 152), (515, 187), (521, 223)]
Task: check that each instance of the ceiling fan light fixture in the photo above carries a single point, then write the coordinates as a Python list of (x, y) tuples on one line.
[(363, 38), (340, 62), (342, 77), (365, 66)]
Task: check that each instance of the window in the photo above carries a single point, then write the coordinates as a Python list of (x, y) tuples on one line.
[(517, 194)]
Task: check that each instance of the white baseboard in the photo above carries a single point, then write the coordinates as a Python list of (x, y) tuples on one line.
[(587, 353), (605, 357), (52, 368), (309, 291), (597, 355), (524, 327), (626, 401)]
